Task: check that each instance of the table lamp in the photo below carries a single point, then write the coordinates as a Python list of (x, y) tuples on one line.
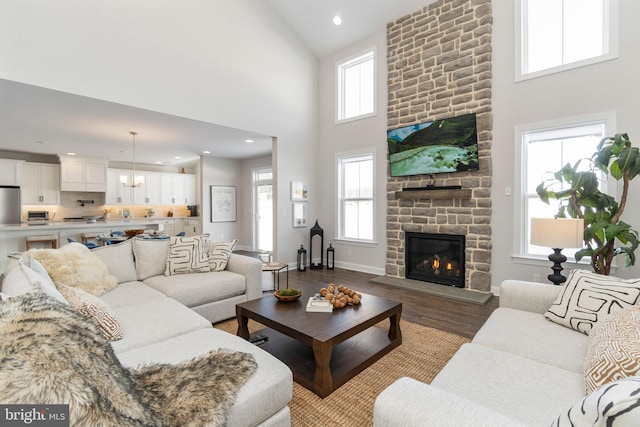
[(558, 234)]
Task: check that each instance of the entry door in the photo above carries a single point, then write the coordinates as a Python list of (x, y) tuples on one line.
[(263, 209)]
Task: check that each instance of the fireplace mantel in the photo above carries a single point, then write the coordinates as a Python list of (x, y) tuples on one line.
[(462, 193)]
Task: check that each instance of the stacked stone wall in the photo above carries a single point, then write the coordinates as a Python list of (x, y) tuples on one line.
[(439, 66)]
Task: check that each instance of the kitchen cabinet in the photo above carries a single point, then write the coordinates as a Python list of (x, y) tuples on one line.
[(152, 190), (40, 184), (169, 227), (83, 174), (11, 172), (117, 194), (192, 227), (178, 189)]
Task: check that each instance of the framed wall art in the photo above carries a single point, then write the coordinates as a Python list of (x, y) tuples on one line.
[(223, 203), (299, 215), (299, 191)]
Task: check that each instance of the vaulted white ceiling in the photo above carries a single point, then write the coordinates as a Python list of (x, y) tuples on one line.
[(40, 120)]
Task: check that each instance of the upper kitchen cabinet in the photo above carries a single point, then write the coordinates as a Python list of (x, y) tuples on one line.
[(83, 174), (40, 184), (11, 172), (116, 192), (178, 189), (152, 189)]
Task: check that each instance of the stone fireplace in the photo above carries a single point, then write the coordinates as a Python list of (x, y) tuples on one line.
[(439, 65), (435, 258)]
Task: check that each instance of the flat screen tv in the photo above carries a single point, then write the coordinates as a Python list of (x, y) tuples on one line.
[(447, 145)]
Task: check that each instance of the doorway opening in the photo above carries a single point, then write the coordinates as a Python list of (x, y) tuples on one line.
[(263, 209)]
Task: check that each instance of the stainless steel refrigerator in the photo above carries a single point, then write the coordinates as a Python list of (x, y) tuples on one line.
[(10, 206)]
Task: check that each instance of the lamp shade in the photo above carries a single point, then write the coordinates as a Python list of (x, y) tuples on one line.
[(557, 232)]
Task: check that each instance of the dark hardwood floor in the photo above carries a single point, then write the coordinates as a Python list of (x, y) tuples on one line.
[(441, 313)]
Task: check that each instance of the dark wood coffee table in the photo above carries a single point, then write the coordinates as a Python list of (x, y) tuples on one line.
[(324, 350)]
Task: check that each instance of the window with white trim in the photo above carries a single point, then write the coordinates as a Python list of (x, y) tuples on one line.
[(355, 196), (355, 92), (556, 35), (544, 151)]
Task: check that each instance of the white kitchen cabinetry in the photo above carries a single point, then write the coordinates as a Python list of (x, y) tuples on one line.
[(190, 189), (152, 190), (169, 227), (40, 184), (192, 227), (83, 174), (117, 194), (11, 172), (176, 187)]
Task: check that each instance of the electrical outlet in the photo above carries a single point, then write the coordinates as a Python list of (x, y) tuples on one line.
[(536, 278), (507, 191), (348, 252)]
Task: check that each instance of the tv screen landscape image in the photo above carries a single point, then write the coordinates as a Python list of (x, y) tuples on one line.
[(447, 145)]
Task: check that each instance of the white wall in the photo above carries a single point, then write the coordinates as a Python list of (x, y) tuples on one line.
[(222, 172), (352, 136), (233, 63), (609, 86)]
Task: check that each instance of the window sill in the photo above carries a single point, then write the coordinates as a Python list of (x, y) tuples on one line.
[(351, 242)]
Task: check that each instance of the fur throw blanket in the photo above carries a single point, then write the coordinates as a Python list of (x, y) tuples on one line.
[(49, 354), (76, 266)]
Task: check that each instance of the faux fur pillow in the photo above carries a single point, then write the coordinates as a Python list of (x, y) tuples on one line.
[(49, 353), (75, 265)]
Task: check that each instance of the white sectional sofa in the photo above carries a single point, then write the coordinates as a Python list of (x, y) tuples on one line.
[(519, 370), (169, 321)]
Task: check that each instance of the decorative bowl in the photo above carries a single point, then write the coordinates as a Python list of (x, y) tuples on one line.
[(287, 298), (133, 233)]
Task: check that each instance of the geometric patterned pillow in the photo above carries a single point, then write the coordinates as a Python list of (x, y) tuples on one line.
[(187, 255), (615, 404), (219, 254), (588, 297), (95, 309), (613, 352)]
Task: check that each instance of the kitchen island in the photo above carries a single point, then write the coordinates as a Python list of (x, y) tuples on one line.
[(13, 236)]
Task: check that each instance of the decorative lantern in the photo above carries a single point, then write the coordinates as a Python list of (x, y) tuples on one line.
[(316, 230), (302, 259), (330, 257)]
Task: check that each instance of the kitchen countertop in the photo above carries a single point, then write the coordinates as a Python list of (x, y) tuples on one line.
[(52, 225)]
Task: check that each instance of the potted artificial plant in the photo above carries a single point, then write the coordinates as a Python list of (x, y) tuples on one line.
[(605, 235)]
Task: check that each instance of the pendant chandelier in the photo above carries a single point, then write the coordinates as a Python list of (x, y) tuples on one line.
[(138, 181)]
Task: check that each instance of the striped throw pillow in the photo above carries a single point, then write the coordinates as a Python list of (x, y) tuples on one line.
[(588, 297), (187, 255), (219, 254)]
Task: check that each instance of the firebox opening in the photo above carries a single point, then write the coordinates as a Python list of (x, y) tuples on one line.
[(435, 258)]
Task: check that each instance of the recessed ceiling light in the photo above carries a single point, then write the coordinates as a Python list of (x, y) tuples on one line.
[(41, 142), (71, 154), (249, 141), (206, 152), (177, 157), (337, 20), (159, 163)]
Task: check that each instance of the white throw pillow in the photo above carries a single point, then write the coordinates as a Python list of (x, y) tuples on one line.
[(219, 254), (151, 257), (38, 274), (119, 260), (187, 255), (588, 297), (615, 404)]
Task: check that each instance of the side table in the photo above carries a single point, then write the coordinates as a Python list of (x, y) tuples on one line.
[(275, 268)]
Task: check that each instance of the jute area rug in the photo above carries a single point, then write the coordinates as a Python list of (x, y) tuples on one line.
[(423, 353)]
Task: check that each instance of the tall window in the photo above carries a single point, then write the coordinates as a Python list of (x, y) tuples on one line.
[(556, 35), (355, 195), (356, 87), (546, 150)]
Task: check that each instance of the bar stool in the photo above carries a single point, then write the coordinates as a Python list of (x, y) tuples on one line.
[(48, 238), (88, 236)]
